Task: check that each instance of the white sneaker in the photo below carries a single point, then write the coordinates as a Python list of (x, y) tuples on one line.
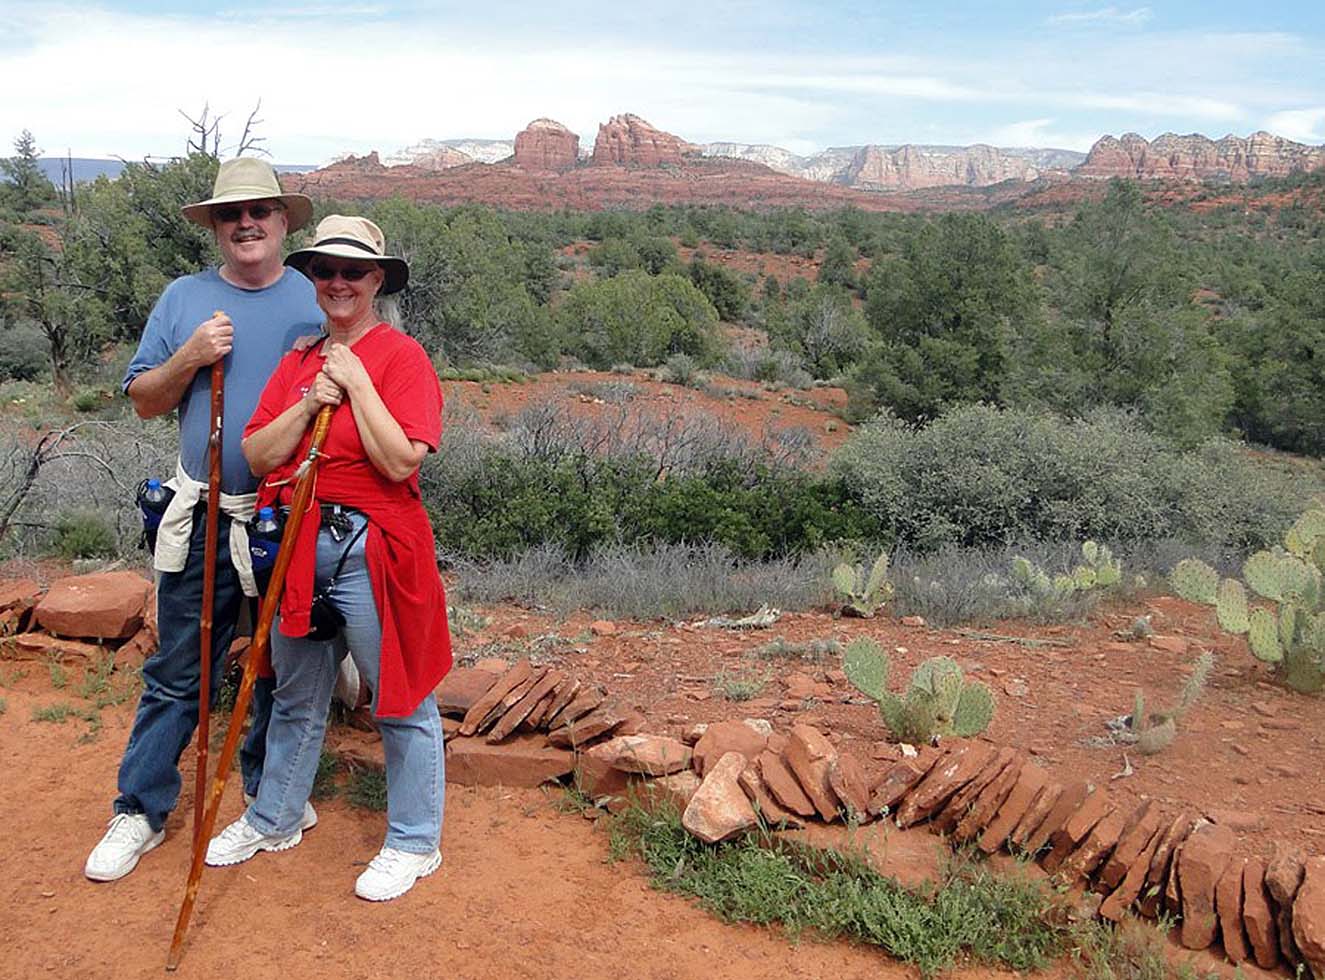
[(393, 872), (307, 822), (240, 841), (129, 837)]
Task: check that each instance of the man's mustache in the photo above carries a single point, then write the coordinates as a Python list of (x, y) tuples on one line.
[(250, 235)]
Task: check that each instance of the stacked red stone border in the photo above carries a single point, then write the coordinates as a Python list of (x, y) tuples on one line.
[(724, 776)]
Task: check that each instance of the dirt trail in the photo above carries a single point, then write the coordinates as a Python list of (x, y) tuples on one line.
[(525, 890)]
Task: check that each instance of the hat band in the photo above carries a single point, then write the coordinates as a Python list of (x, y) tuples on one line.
[(354, 242)]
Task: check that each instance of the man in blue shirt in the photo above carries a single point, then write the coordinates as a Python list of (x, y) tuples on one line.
[(248, 311)]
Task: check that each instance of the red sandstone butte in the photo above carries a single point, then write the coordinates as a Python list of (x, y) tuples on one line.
[(627, 140), (546, 144)]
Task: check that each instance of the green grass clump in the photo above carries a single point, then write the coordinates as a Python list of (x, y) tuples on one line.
[(324, 782), (367, 789), (970, 916), (4, 706), (57, 713), (740, 685)]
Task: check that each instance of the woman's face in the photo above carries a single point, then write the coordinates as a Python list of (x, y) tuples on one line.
[(345, 288)]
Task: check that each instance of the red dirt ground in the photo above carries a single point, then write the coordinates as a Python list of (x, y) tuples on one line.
[(761, 413)]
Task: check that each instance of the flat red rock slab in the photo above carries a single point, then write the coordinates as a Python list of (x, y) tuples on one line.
[(526, 760)]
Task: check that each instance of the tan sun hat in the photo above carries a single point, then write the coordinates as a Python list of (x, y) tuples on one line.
[(249, 179), (344, 236)]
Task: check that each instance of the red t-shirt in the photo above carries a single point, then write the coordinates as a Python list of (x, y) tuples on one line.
[(411, 602)]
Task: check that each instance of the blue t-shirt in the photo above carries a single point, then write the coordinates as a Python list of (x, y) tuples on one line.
[(266, 321)]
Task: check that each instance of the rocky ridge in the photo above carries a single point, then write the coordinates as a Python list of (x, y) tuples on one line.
[(1197, 157)]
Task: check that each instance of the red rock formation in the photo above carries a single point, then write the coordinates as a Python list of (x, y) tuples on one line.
[(1196, 157), (627, 140), (910, 167), (546, 144)]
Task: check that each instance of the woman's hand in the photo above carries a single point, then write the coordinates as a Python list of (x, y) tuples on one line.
[(344, 368), (323, 391)]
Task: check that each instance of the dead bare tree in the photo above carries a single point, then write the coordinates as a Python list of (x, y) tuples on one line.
[(25, 461), (249, 140), (205, 133)]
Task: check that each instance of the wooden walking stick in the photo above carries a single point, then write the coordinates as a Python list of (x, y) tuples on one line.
[(208, 591), (257, 654)]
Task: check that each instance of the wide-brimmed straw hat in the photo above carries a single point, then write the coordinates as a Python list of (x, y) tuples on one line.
[(344, 236), (249, 179)]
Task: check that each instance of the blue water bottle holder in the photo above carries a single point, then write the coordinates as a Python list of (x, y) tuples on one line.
[(152, 498)]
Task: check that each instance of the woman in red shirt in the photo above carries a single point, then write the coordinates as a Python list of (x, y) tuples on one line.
[(371, 557)]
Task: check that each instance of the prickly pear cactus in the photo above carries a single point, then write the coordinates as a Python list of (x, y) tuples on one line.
[(866, 667), (1287, 635), (938, 699), (862, 594)]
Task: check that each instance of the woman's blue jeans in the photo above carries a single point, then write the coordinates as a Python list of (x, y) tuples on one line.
[(305, 677)]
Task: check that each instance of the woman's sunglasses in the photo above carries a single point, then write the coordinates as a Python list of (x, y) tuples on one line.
[(325, 273), (228, 213)]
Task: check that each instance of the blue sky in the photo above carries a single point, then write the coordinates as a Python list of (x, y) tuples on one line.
[(108, 79)]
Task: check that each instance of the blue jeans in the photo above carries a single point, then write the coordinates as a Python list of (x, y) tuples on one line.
[(305, 677), (167, 715)]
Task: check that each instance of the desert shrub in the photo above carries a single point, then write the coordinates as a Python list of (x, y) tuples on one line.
[(728, 292), (644, 581), (981, 476), (23, 353), (681, 369), (638, 318), (614, 256), (85, 534), (769, 365)]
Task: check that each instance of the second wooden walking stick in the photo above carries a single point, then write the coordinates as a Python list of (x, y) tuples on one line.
[(257, 654), (207, 613)]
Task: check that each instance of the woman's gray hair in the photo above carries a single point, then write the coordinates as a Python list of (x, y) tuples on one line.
[(388, 311)]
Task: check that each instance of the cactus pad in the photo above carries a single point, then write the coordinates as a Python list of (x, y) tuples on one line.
[(1196, 581), (845, 580), (866, 667), (878, 589), (1304, 672), (1302, 536), (1231, 606), (975, 710), (1264, 636), (1091, 552)]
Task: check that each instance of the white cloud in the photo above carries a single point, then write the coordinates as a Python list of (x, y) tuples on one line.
[(1302, 125), (1107, 16)]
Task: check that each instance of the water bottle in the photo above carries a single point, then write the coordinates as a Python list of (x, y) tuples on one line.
[(264, 541), (152, 499)]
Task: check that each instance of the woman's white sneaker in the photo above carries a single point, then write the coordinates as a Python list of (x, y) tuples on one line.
[(393, 872), (307, 822), (240, 841), (127, 839)]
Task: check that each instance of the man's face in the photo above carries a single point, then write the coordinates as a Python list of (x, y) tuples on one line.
[(250, 234)]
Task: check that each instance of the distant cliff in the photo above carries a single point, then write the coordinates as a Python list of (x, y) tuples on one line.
[(1196, 157)]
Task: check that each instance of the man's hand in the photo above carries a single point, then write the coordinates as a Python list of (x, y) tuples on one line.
[(213, 339)]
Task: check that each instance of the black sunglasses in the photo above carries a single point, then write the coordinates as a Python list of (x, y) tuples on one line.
[(233, 212), (325, 273)]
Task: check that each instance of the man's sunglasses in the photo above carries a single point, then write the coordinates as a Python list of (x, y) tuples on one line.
[(325, 273), (228, 213)]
